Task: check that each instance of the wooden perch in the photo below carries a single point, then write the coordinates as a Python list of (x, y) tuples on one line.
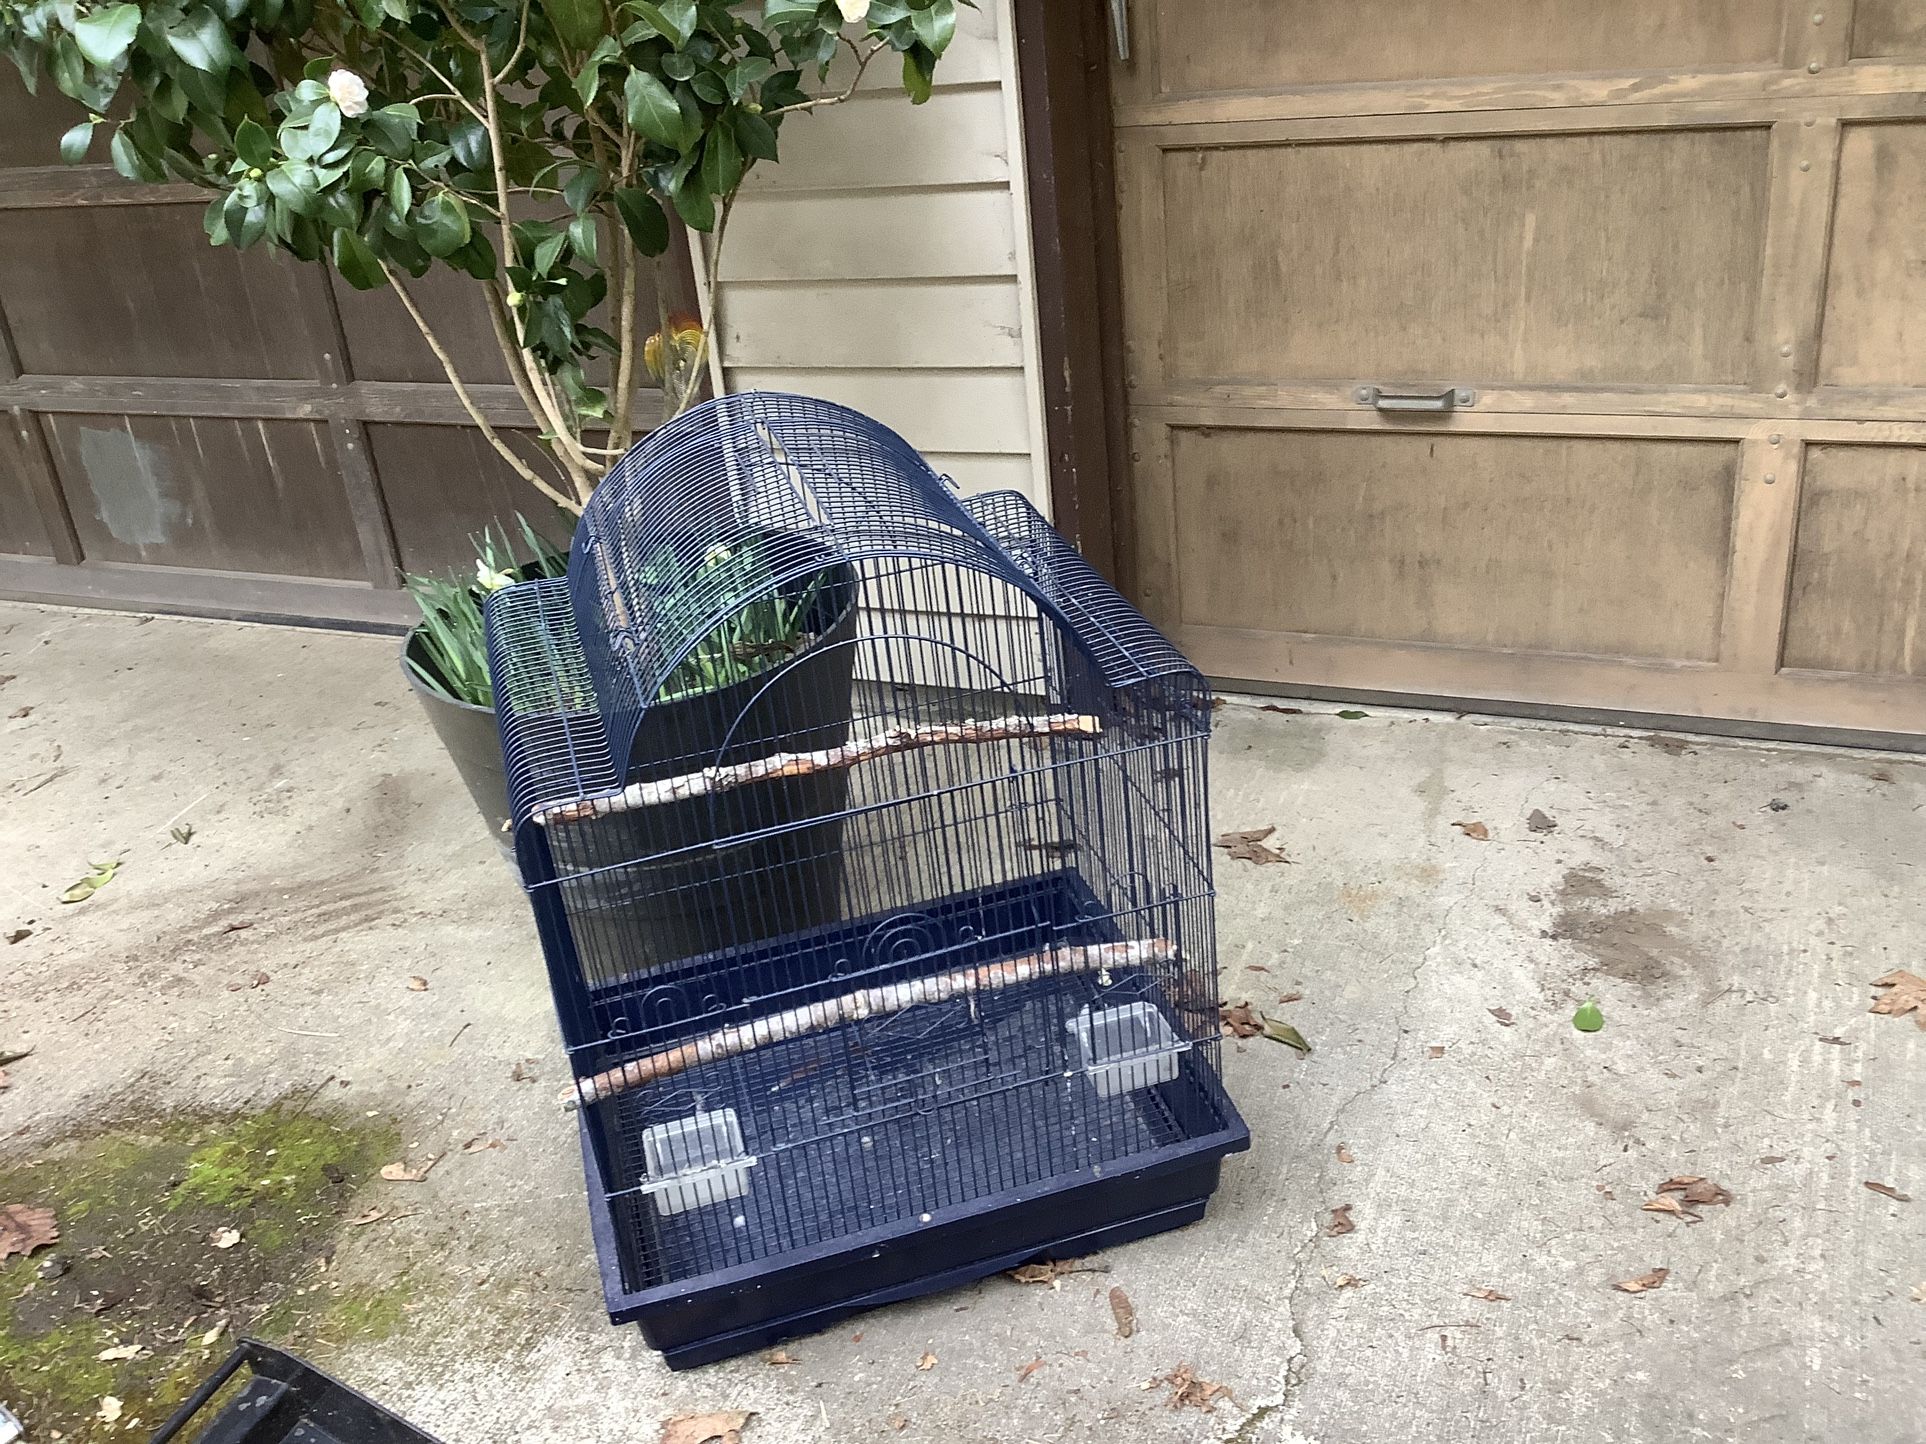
[(867, 1003), (709, 780)]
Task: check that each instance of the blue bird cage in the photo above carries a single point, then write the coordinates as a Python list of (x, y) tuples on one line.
[(865, 828)]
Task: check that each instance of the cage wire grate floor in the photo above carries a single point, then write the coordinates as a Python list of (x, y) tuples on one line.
[(899, 1127)]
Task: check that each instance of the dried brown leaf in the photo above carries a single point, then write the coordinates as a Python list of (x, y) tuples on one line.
[(1489, 1295), (1124, 1312), (1703, 1191), (25, 1227), (1344, 1154), (417, 984), (1503, 1015), (1030, 1368), (1665, 1203), (1436, 1050), (480, 1143), (1189, 1391), (1341, 1221), (926, 1363), (1347, 1281), (1905, 993), (224, 1238), (19, 935), (372, 1215), (1885, 1188), (1241, 1020), (898, 1422), (1252, 834), (1537, 821), (780, 1358), (1476, 831), (723, 1426), (1644, 1283), (1679, 1182), (402, 1173), (1290, 997), (1047, 1271), (120, 1353), (1772, 1158)]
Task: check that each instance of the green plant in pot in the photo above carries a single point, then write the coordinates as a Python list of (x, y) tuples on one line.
[(544, 150)]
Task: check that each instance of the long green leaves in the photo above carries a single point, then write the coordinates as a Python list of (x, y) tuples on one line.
[(451, 634)]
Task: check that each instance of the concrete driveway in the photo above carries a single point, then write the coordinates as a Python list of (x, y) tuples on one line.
[(1727, 903)]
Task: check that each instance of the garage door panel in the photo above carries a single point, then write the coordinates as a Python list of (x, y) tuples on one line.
[(1567, 545), (1876, 274), (1889, 30), (1207, 45), (225, 495), (1629, 257), (1858, 595)]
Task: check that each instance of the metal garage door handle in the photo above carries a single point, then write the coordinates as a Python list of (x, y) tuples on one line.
[(1447, 400)]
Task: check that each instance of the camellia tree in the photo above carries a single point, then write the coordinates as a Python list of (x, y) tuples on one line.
[(541, 147)]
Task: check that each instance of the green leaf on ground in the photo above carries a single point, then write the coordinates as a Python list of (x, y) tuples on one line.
[(1588, 1018), (100, 874)]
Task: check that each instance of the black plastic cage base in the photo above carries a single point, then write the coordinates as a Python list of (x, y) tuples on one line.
[(741, 1310), (283, 1400), (963, 1153)]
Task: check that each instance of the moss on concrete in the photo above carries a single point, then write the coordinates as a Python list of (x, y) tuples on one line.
[(139, 1208)]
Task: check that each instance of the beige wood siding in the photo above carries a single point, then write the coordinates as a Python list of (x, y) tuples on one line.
[(884, 264)]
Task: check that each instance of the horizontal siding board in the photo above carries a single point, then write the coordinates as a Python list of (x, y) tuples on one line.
[(983, 411), (956, 138), (978, 472), (971, 59), (915, 324), (888, 235)]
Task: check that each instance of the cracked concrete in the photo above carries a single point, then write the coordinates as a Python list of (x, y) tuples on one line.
[(1726, 941)]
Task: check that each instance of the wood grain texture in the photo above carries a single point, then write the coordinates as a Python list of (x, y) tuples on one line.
[(882, 235), (870, 323), (1858, 598), (1876, 280), (223, 495), (444, 484), (1479, 260), (137, 291), (1209, 45), (1602, 547), (981, 411), (23, 532), (955, 138), (1888, 29)]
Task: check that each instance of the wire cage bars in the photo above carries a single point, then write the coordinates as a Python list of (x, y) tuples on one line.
[(865, 830)]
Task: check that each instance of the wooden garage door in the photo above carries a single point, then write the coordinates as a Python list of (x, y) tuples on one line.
[(1658, 268)]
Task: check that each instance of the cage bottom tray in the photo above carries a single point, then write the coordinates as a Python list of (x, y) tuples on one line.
[(909, 1200)]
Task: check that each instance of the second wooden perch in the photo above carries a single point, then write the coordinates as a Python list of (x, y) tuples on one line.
[(800, 764), (874, 1002)]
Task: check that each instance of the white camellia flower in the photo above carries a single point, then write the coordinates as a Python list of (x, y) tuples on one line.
[(349, 92), (485, 579), (853, 10)]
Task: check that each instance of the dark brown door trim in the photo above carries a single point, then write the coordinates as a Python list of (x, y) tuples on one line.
[(1062, 61)]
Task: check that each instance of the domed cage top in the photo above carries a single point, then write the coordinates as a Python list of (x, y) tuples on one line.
[(865, 828)]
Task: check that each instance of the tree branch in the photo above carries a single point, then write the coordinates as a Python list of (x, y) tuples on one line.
[(863, 57), (468, 403)]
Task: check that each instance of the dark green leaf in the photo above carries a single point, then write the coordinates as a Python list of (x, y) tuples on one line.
[(642, 217), (583, 236), (721, 162), (578, 22), (785, 14), (653, 17), (692, 121), (441, 225), (129, 161), (580, 189), (356, 262), (306, 142), (214, 221), (547, 254), (748, 72), (295, 186), (678, 66), (67, 66), (469, 141), (200, 39), (681, 15), (253, 145), (783, 88), (73, 145), (651, 109), (367, 171), (401, 194), (756, 136), (105, 35), (919, 71), (477, 258), (936, 25), (885, 12), (695, 205), (708, 86), (588, 83)]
